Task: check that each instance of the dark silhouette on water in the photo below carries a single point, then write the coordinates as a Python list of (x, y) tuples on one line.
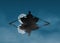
[(29, 23)]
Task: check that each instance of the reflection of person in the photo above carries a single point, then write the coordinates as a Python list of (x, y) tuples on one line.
[(20, 30)]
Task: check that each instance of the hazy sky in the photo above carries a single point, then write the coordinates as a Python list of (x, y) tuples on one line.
[(47, 10)]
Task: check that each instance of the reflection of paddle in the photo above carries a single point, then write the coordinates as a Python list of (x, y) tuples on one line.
[(46, 23), (11, 23)]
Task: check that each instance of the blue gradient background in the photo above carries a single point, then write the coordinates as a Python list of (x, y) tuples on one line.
[(47, 10)]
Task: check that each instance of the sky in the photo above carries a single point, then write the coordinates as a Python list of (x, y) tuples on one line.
[(48, 10)]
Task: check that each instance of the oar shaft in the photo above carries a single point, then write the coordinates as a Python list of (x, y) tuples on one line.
[(12, 21), (46, 23)]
